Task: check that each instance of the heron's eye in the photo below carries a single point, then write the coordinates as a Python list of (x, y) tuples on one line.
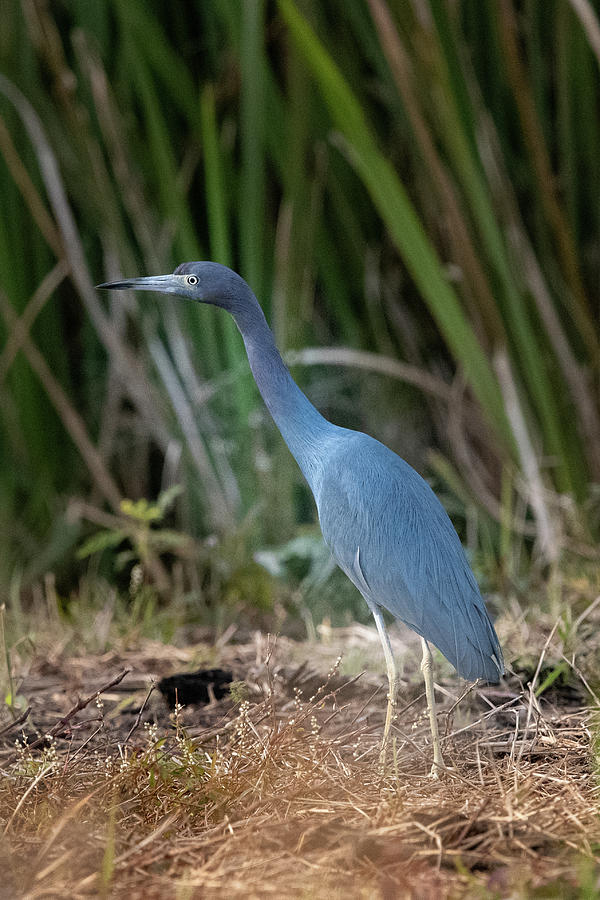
[(192, 280)]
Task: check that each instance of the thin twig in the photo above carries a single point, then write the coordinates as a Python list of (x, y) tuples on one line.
[(81, 704), (141, 712), (16, 722)]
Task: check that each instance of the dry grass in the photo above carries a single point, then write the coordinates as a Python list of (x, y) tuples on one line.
[(280, 794)]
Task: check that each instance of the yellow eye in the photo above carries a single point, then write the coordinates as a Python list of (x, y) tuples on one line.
[(192, 280)]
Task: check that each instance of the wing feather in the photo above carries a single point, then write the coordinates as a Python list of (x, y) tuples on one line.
[(411, 558)]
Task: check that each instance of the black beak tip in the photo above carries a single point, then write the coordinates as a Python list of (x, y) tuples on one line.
[(112, 286)]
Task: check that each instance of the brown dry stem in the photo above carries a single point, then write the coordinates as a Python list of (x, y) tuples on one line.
[(281, 795)]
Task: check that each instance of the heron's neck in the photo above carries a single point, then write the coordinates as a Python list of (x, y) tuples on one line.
[(303, 428)]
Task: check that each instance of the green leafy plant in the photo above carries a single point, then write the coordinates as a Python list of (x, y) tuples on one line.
[(406, 187), (140, 527)]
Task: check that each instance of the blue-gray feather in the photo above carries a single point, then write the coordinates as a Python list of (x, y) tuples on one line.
[(371, 502)]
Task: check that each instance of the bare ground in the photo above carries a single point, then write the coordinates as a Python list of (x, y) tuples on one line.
[(277, 791)]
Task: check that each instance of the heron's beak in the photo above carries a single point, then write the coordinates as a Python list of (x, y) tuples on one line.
[(164, 284)]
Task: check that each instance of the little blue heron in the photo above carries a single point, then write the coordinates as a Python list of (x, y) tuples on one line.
[(384, 525)]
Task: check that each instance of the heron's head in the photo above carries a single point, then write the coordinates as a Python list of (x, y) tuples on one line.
[(206, 282)]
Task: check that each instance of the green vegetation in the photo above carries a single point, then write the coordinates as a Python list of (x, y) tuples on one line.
[(446, 154), (412, 186)]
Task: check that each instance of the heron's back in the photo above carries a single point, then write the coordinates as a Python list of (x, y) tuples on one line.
[(379, 515)]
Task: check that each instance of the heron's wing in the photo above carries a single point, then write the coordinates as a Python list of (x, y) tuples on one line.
[(410, 559)]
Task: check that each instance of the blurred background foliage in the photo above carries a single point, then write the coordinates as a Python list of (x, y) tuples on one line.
[(411, 189)]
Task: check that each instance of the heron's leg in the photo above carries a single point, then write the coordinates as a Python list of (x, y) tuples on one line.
[(427, 670), (392, 674)]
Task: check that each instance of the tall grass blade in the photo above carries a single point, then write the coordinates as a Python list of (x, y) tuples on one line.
[(394, 206)]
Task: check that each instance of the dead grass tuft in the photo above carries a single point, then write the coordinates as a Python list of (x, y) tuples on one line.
[(280, 794)]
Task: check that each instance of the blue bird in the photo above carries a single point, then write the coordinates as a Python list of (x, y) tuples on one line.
[(384, 525)]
